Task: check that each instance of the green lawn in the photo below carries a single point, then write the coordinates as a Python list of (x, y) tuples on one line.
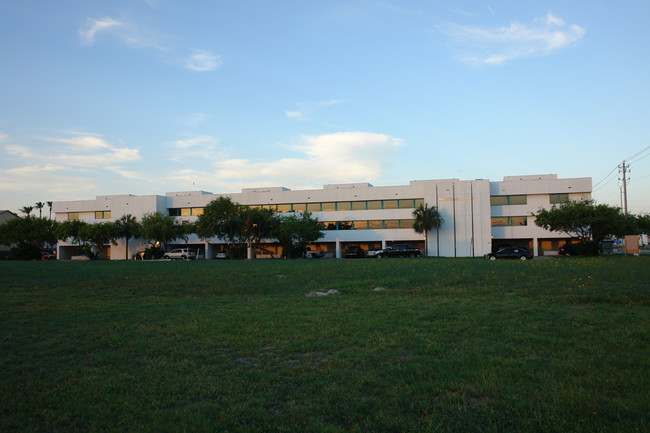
[(451, 345)]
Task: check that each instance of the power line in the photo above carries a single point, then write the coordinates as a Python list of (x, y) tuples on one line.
[(637, 154), (603, 180)]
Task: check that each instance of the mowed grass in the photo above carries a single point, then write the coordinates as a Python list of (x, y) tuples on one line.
[(451, 345)]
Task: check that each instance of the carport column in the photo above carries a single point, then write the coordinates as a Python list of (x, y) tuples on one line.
[(338, 249), (208, 251), (383, 244), (249, 254), (535, 247)]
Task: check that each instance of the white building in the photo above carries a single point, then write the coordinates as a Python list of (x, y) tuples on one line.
[(478, 215)]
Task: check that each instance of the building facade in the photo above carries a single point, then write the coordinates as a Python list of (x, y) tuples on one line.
[(478, 215)]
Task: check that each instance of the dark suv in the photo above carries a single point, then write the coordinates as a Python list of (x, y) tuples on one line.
[(355, 253)]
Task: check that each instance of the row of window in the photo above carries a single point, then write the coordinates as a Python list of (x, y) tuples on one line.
[(99, 215), (410, 203), (509, 221), (506, 200), (368, 225)]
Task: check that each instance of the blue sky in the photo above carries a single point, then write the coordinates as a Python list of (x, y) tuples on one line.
[(152, 96)]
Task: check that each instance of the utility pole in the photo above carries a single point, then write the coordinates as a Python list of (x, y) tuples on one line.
[(624, 169)]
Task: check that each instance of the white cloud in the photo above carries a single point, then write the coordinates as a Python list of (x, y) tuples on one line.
[(294, 114), (90, 28), (493, 46), (82, 152), (337, 157), (203, 61), (194, 141), (330, 102)]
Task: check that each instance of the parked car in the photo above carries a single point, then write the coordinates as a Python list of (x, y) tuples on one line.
[(314, 254), (221, 255), (354, 253), (567, 250), (510, 253), (47, 256), (399, 251), (180, 254)]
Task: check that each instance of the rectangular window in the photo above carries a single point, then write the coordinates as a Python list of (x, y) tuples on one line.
[(103, 215), (284, 208), (299, 207), (328, 207), (313, 207), (517, 199), (344, 205), (375, 224), (419, 202), (499, 221), (406, 224), (175, 212), (360, 225), (73, 215), (391, 224), (509, 221), (196, 211), (329, 226), (504, 200), (518, 221), (358, 205), (374, 204), (558, 198), (390, 204), (405, 203), (186, 211), (345, 225)]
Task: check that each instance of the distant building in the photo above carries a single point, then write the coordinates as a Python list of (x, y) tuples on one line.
[(479, 215)]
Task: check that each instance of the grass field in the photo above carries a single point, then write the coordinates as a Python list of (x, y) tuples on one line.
[(451, 345)]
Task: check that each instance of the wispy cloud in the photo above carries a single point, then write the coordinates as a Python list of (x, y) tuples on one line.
[(92, 26), (495, 46), (202, 61), (131, 34), (304, 110), (82, 152), (337, 157), (194, 141), (194, 119), (294, 114)]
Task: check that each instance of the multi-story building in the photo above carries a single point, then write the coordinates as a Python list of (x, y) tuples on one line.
[(478, 215)]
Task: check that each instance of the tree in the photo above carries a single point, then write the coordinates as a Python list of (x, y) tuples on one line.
[(590, 222), (70, 230), (98, 236), (27, 210), (159, 229), (127, 227), (49, 204), (643, 222), (217, 219), (295, 232), (28, 236), (427, 218), (251, 225), (40, 205)]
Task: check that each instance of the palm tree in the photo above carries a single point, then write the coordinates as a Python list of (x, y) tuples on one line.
[(40, 205), (49, 204), (427, 218), (127, 227), (27, 210)]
